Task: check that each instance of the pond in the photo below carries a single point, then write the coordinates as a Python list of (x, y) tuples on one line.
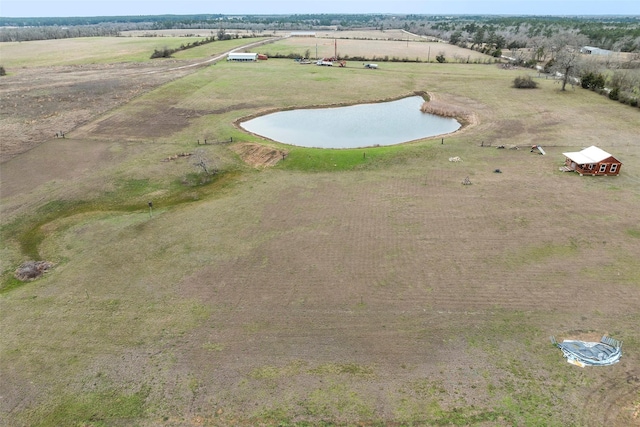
[(356, 126)]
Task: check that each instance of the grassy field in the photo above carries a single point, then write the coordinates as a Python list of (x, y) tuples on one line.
[(410, 49), (103, 50), (340, 287)]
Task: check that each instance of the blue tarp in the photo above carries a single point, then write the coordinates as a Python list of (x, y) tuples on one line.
[(606, 352)]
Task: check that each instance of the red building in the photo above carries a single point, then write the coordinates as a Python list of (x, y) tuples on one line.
[(592, 161)]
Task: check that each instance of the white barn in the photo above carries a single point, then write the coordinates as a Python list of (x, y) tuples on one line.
[(242, 56), (590, 50)]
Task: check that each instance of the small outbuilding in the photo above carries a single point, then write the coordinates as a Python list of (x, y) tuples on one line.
[(592, 161), (590, 50), (242, 57)]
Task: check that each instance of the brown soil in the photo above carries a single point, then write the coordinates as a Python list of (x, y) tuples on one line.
[(38, 103), (31, 270), (258, 155)]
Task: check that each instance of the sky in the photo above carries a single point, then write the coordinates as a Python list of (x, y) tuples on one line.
[(65, 8)]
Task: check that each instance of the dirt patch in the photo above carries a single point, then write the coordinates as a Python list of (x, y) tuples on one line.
[(56, 159), (37, 103), (31, 270), (258, 155)]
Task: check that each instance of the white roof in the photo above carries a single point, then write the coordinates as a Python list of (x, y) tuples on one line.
[(591, 154), (595, 50), (242, 55)]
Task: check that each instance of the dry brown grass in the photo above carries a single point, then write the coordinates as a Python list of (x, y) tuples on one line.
[(447, 109), (409, 48), (388, 292)]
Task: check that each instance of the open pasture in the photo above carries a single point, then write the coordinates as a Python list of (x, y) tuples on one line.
[(342, 287), (56, 85), (405, 47), (85, 50)]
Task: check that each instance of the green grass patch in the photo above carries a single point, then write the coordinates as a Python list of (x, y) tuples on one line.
[(634, 232), (343, 368), (130, 196), (98, 409), (326, 160), (624, 269), (213, 346), (296, 367), (320, 160), (540, 253), (337, 401), (107, 50)]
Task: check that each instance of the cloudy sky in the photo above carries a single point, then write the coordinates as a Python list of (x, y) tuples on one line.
[(52, 8)]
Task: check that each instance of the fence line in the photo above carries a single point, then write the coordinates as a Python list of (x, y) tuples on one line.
[(215, 142)]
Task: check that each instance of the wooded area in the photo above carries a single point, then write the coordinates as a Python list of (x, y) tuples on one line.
[(618, 33)]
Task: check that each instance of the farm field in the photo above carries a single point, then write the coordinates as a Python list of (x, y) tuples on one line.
[(338, 287), (55, 85), (393, 45)]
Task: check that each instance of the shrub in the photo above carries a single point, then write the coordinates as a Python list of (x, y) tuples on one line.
[(440, 58), (3, 72), (524, 82), (549, 65), (593, 81), (614, 94), (162, 53)]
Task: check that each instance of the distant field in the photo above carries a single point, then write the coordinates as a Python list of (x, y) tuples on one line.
[(101, 50), (344, 287), (411, 48), (349, 34), (72, 80)]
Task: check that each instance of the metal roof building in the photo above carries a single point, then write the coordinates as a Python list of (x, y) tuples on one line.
[(592, 161), (242, 56), (592, 154), (590, 50)]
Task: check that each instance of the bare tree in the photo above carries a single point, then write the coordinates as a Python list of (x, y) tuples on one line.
[(204, 163), (566, 63), (567, 56)]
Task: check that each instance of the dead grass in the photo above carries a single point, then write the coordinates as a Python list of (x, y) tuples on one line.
[(401, 48), (258, 155), (384, 293), (446, 109)]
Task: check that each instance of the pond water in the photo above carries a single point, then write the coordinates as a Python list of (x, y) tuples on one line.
[(363, 125)]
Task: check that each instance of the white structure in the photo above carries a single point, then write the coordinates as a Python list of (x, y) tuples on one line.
[(592, 161), (242, 57), (590, 50)]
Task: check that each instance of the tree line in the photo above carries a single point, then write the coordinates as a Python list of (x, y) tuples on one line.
[(489, 34), (618, 33), (548, 42)]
